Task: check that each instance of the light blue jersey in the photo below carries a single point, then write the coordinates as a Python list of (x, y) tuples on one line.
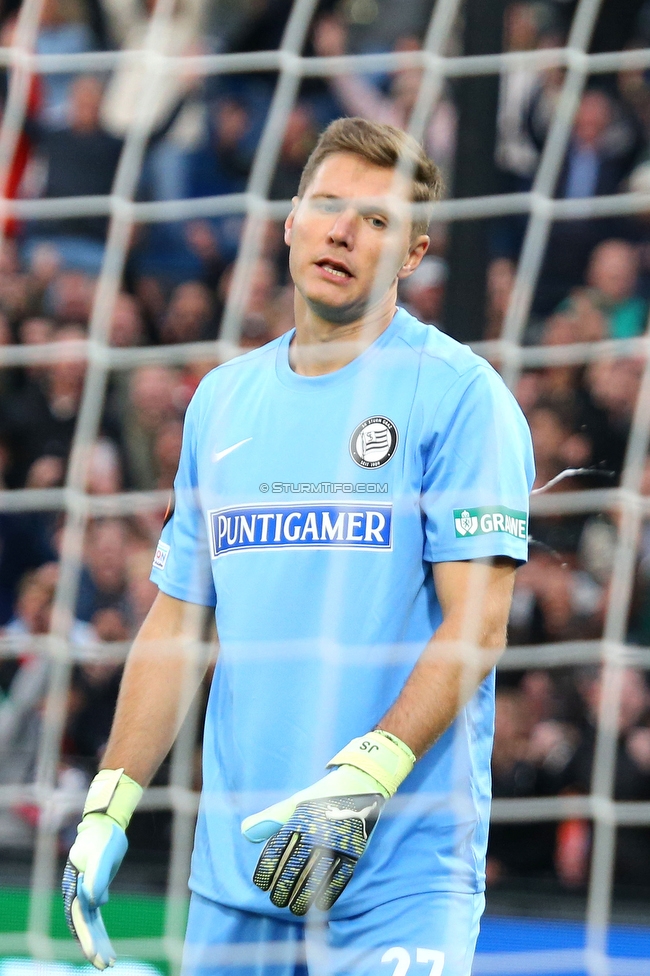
[(309, 510)]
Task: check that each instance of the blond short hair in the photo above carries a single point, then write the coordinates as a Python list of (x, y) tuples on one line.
[(382, 145)]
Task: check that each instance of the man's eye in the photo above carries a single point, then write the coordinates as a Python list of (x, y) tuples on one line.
[(328, 206), (378, 222)]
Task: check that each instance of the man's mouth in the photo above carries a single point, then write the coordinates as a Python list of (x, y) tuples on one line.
[(335, 268)]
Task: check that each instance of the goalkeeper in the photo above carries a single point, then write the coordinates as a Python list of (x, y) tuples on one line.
[(352, 499)]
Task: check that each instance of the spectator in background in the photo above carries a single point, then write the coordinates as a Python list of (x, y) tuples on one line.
[(62, 30), (579, 321), (527, 27), (33, 613), (35, 332), (25, 544), (602, 152), (40, 419), (557, 445), (104, 469), (24, 681), (554, 602), (221, 165), (358, 95), (500, 281), (44, 266), (82, 160), (127, 326), (257, 324), (178, 34), (151, 404), (190, 314), (517, 848), (516, 153), (102, 583), (299, 139), (14, 284), (612, 387), (69, 298), (613, 274), (95, 687), (167, 451), (202, 237), (632, 773), (634, 92)]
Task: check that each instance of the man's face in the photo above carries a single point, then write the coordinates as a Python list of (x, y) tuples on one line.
[(350, 237)]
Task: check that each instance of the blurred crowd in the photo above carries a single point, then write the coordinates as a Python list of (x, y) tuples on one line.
[(594, 285)]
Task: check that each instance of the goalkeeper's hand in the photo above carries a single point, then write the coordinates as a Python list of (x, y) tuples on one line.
[(94, 859), (318, 835)]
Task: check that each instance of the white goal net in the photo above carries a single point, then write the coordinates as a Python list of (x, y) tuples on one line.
[(627, 505)]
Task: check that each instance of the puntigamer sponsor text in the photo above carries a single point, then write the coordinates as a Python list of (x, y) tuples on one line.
[(338, 525)]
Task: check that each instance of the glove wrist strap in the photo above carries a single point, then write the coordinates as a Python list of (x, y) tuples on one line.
[(380, 754), (114, 793)]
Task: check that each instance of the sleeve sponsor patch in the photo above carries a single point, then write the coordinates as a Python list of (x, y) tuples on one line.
[(470, 522), (162, 551)]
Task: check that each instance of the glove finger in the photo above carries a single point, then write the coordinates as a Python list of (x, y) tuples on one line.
[(69, 889), (335, 885), (293, 871), (315, 873), (275, 852), (88, 927), (101, 867)]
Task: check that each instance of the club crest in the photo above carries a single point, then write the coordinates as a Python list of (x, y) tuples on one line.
[(373, 442)]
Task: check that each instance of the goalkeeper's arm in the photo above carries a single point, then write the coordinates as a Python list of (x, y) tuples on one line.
[(475, 598), (315, 837), (163, 670)]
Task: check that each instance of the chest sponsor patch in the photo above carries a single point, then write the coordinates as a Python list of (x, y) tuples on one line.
[(310, 526), (483, 521)]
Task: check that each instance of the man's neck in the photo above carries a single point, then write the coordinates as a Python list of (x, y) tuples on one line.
[(320, 347)]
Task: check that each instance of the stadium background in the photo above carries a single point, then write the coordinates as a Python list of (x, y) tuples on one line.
[(147, 154)]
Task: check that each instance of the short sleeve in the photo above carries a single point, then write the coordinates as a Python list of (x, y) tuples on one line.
[(478, 473), (182, 565)]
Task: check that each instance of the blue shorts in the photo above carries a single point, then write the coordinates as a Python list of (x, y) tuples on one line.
[(430, 934)]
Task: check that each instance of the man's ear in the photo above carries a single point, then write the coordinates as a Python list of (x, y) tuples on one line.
[(417, 250), (288, 224)]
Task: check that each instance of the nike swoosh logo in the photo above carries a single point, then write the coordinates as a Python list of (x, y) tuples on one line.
[(221, 454)]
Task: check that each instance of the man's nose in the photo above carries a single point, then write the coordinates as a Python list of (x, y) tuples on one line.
[(343, 230)]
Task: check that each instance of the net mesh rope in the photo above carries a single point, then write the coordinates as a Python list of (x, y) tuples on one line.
[(58, 654)]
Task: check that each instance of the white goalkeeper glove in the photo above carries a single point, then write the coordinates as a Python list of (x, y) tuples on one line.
[(94, 859), (318, 835)]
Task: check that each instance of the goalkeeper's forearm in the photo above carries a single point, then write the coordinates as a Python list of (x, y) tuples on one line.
[(475, 598), (164, 668)]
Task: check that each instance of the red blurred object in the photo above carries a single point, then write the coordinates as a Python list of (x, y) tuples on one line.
[(21, 155)]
